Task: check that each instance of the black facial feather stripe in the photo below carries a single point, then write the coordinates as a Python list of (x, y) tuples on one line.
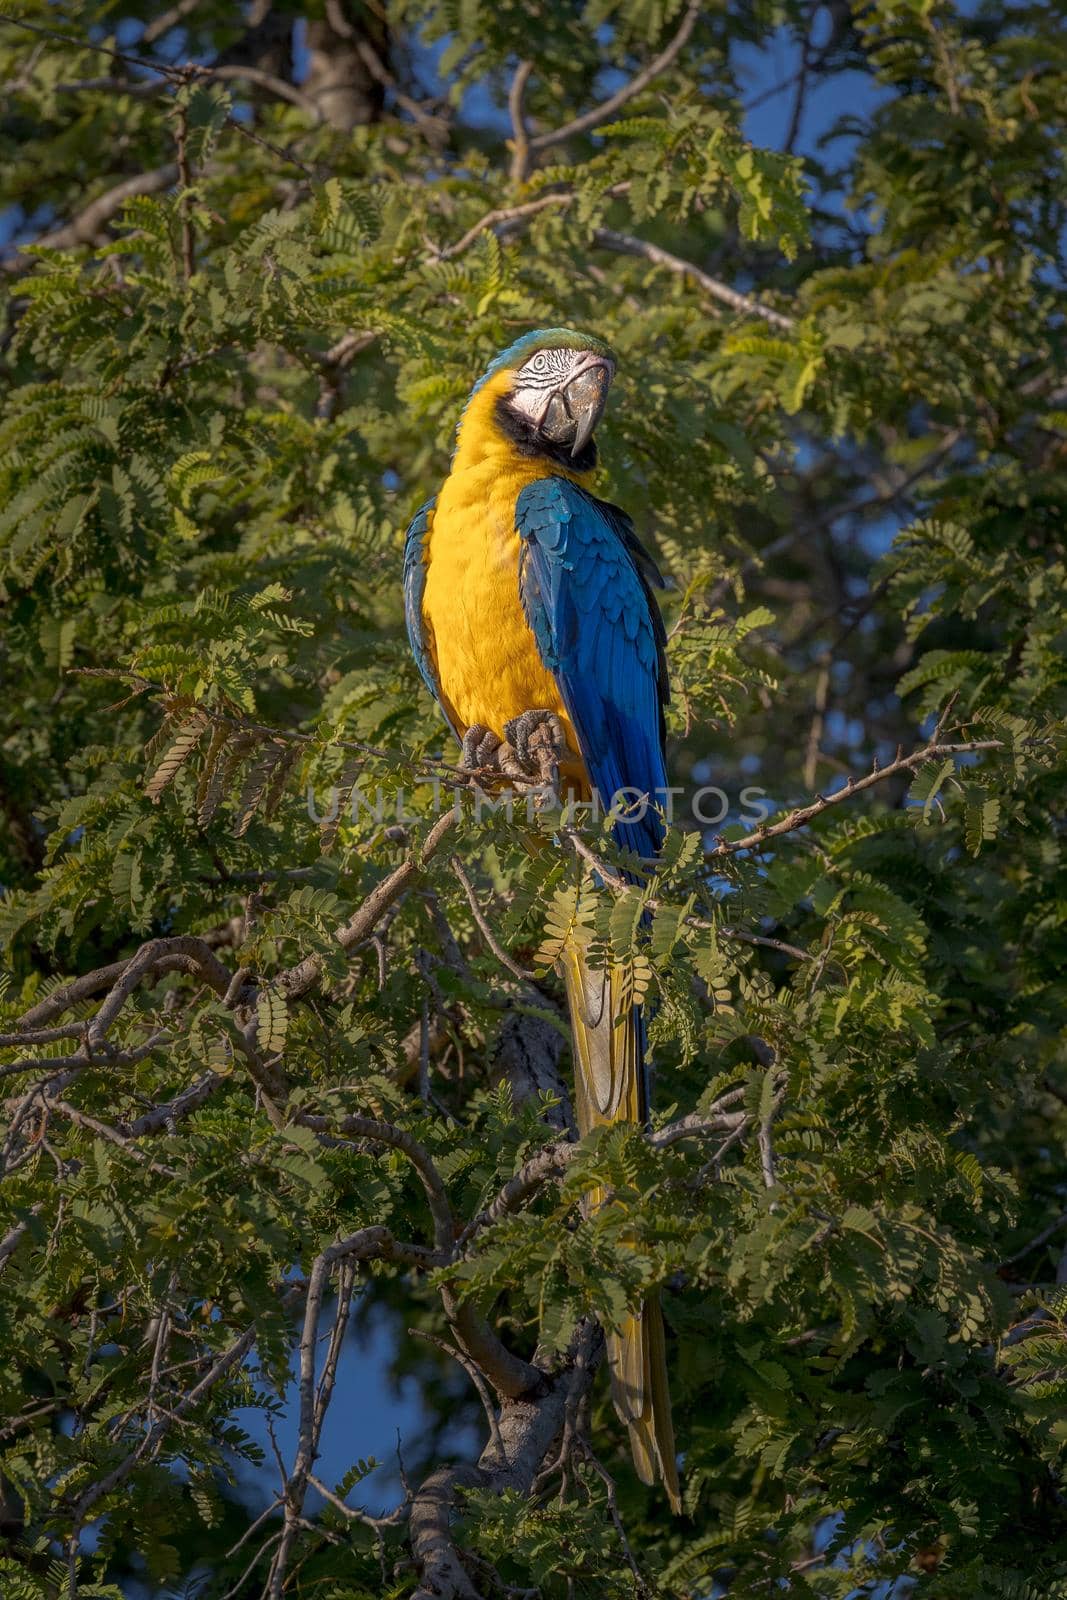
[(545, 368), (539, 380)]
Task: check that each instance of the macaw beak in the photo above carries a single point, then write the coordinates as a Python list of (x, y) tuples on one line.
[(586, 396), (574, 411)]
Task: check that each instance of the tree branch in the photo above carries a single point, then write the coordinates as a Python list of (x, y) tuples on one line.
[(154, 1435), (299, 979), (629, 244), (430, 124), (72, 1065), (397, 1139), (433, 126), (334, 364), (553, 1159), (314, 1403), (520, 140), (161, 1118), (485, 930), (443, 1575), (550, 1162), (528, 1429), (167, 20), (14, 1236), (182, 952), (509, 1374), (192, 952), (698, 1125), (641, 80), (146, 88), (88, 224), (501, 217), (264, 80), (474, 1373), (802, 815)]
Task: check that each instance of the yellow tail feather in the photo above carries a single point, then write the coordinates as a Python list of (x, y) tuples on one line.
[(608, 1088)]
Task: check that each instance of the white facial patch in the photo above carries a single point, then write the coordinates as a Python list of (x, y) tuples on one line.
[(538, 380)]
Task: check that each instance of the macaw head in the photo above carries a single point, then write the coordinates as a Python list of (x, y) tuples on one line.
[(552, 387)]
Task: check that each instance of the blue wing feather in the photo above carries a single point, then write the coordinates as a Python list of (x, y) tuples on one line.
[(414, 585), (584, 581)]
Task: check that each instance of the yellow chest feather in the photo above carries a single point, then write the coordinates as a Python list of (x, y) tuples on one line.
[(486, 658)]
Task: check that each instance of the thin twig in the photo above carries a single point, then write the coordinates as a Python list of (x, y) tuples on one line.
[(167, 20), (613, 1511), (800, 816), (800, 97), (181, 119), (353, 1513), (523, 975), (500, 217), (265, 80), (75, 1064), (473, 1373), (582, 1356), (861, 505), (1039, 1238), (69, 1030), (232, 1593), (154, 1435), (87, 225), (305, 974), (792, 950), (315, 1401)]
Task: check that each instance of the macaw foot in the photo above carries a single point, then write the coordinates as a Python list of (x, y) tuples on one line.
[(529, 754), (538, 740)]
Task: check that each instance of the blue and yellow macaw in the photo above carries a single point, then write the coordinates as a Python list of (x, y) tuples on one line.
[(532, 620)]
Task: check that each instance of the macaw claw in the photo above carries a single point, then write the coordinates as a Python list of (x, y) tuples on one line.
[(487, 754), (481, 749), (538, 740)]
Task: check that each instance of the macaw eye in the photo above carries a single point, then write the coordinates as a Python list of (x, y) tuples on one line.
[(539, 362)]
